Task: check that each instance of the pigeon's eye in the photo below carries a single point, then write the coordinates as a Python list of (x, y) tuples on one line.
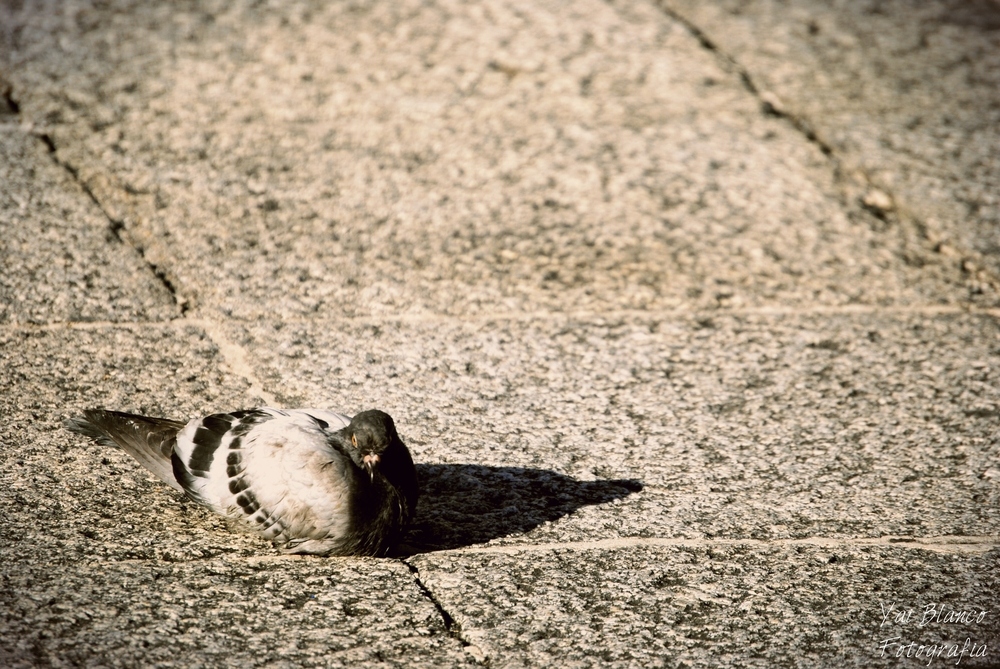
[(354, 440)]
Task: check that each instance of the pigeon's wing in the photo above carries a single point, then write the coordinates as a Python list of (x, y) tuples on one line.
[(200, 457), (149, 440), (329, 421), (274, 470)]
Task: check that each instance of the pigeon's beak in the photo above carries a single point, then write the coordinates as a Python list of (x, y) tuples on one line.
[(371, 461)]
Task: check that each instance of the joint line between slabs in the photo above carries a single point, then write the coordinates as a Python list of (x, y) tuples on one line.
[(93, 325), (775, 311), (235, 356), (944, 544), (927, 310), (232, 354), (948, 544)]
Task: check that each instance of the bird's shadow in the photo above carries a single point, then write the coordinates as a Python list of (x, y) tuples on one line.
[(462, 505)]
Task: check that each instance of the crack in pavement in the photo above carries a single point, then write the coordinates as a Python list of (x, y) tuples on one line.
[(118, 228), (453, 627), (971, 262), (953, 544), (771, 105), (232, 354), (116, 225), (947, 544)]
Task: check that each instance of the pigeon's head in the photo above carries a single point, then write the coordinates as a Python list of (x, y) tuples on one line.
[(371, 434), (374, 446)]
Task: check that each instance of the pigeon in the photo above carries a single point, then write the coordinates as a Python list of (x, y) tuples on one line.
[(310, 480)]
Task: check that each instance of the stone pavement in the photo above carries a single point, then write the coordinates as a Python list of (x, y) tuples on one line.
[(688, 312)]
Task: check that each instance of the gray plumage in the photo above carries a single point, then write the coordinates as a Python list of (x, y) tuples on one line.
[(310, 480)]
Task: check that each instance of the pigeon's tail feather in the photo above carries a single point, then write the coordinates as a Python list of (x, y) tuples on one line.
[(148, 440)]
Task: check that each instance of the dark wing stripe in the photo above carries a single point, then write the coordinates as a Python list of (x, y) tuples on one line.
[(193, 468), (248, 502), (213, 429), (271, 526), (239, 483), (207, 439), (243, 413), (234, 465), (205, 444), (319, 421), (248, 420), (236, 486), (218, 423), (187, 480)]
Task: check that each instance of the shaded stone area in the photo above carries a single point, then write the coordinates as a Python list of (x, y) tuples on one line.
[(463, 505)]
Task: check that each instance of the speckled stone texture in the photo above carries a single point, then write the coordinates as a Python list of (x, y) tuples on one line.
[(687, 311), (723, 605), (739, 426), (222, 613)]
